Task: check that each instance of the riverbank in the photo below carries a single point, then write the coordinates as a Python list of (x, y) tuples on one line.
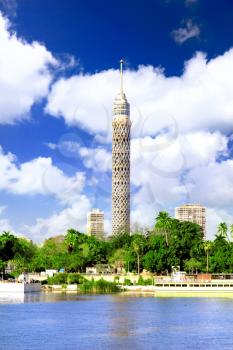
[(157, 290)]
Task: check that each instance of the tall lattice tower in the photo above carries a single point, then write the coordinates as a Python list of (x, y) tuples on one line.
[(121, 161)]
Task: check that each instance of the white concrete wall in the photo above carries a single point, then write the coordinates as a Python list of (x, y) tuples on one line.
[(11, 288)]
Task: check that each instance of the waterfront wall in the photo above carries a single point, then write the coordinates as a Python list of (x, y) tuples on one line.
[(112, 278), (8, 287)]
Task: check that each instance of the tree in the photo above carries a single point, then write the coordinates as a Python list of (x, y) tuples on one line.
[(155, 259), (24, 255), (220, 259), (222, 229), (72, 238), (163, 224), (138, 246), (121, 240), (231, 231), (118, 259), (192, 264), (51, 255), (207, 247), (8, 249)]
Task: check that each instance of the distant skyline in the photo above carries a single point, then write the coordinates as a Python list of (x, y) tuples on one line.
[(59, 75)]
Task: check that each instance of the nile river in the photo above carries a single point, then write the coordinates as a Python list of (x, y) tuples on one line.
[(60, 322)]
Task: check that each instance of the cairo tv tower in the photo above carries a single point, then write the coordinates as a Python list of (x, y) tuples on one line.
[(121, 126)]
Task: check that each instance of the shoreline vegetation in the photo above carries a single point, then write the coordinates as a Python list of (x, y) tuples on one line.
[(76, 282), (170, 243), (62, 281)]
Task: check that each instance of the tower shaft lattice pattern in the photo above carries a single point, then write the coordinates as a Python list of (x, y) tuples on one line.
[(121, 165)]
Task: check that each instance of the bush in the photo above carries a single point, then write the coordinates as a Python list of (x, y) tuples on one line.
[(65, 278), (100, 286), (148, 282), (116, 279), (75, 278), (87, 286), (142, 282), (127, 282), (58, 278)]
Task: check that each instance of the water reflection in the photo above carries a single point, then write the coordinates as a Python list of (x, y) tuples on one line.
[(40, 298), (73, 321)]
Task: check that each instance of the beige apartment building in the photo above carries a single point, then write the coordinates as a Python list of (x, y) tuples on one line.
[(192, 212), (95, 223)]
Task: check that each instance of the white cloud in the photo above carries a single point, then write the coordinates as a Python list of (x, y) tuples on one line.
[(24, 74), (183, 34), (38, 176), (171, 156), (162, 168), (199, 99), (96, 158), (71, 217), (4, 223), (212, 184)]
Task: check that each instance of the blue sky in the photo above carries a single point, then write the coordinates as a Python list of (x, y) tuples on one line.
[(58, 79)]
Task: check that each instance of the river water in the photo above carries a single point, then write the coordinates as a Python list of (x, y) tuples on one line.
[(70, 322)]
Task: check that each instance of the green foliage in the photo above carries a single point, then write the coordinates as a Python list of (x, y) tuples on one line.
[(100, 286), (193, 265), (121, 240), (75, 278), (8, 246), (58, 278), (170, 243), (119, 258), (127, 282), (66, 278), (144, 282)]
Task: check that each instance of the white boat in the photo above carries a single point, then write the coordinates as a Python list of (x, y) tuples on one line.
[(185, 288), (193, 288)]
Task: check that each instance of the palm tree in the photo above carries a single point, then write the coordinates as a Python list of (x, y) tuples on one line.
[(231, 231), (163, 223), (71, 239), (137, 245), (222, 230), (207, 247)]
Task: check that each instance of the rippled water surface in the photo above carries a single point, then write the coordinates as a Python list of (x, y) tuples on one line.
[(65, 322)]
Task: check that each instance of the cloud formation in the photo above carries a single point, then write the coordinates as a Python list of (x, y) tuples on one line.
[(37, 177), (73, 216), (179, 150), (167, 172), (183, 34), (199, 99), (97, 158), (4, 223), (24, 74)]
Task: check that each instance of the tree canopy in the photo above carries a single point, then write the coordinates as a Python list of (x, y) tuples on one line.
[(170, 243)]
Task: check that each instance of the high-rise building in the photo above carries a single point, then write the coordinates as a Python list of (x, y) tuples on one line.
[(194, 213), (95, 223), (121, 161)]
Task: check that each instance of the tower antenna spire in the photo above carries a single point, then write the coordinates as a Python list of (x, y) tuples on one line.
[(121, 72)]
